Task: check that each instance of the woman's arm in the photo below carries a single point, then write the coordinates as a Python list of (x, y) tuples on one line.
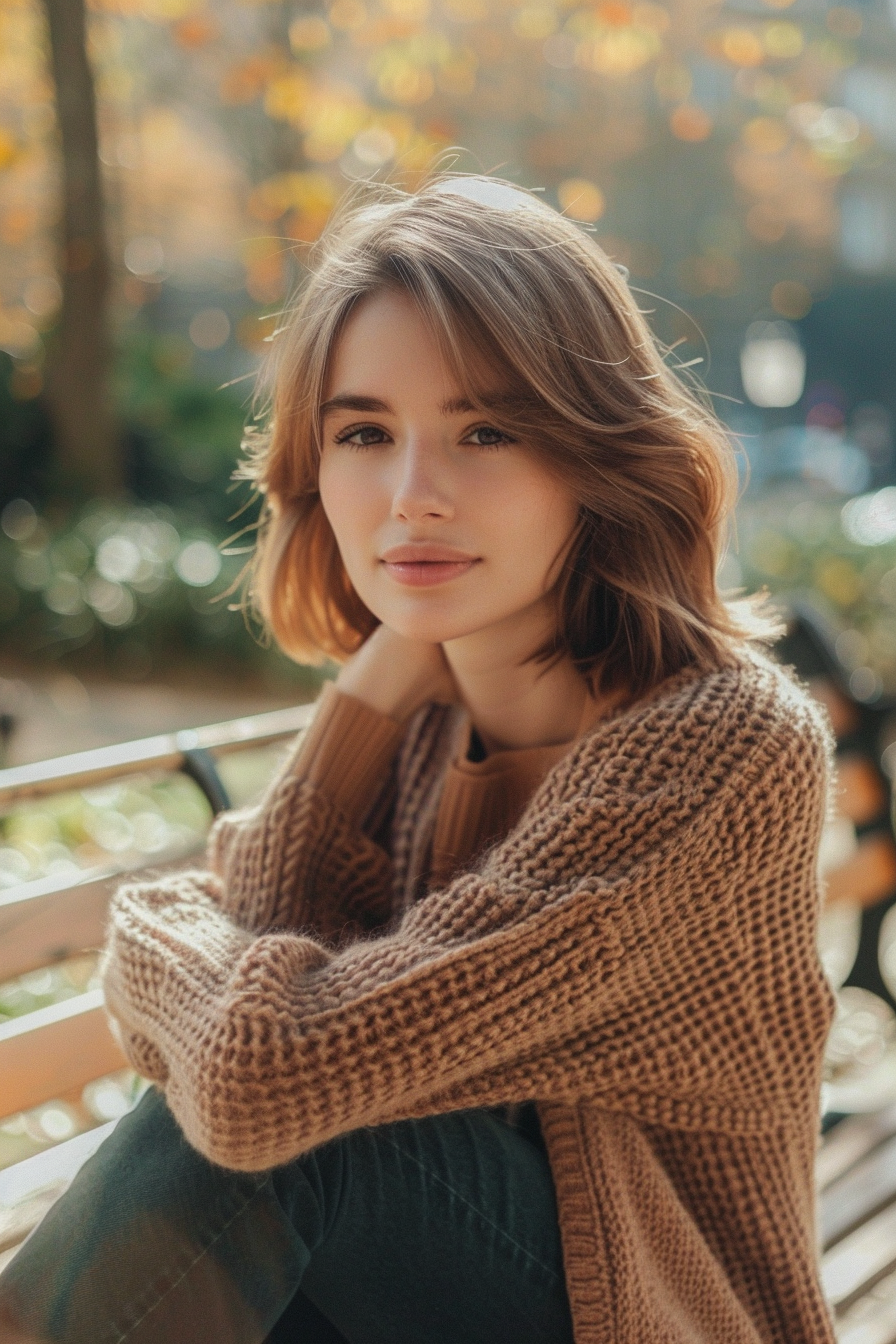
[(601, 951), (300, 858)]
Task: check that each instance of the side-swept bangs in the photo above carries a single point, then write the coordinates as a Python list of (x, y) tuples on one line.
[(522, 301)]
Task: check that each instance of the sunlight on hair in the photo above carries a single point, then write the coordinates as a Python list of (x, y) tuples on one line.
[(499, 195)]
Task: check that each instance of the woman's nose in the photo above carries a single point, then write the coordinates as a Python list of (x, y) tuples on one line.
[(422, 486)]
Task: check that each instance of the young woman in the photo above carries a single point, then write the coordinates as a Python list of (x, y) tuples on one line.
[(500, 1020)]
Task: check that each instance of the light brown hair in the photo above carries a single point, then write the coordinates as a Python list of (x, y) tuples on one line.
[(517, 293)]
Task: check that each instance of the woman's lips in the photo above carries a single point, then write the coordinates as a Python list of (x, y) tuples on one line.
[(426, 573)]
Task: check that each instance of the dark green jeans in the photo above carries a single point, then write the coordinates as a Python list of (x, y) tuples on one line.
[(436, 1231)]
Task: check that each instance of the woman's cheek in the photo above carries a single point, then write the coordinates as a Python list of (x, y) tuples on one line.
[(339, 500)]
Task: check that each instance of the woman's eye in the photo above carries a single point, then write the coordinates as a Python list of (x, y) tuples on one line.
[(487, 436), (362, 436)]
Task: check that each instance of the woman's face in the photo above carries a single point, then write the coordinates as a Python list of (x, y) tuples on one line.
[(445, 525)]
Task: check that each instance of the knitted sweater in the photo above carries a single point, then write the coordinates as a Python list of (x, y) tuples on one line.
[(637, 956), (481, 799)]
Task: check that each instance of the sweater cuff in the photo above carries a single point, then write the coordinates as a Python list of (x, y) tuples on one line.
[(346, 751)]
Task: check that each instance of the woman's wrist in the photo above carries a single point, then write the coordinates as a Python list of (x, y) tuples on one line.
[(395, 676), (386, 695)]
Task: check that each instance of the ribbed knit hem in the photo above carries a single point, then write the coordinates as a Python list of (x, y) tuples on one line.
[(585, 1251), (346, 751)]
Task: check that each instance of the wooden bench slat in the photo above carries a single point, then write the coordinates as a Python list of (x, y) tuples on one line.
[(30, 1188), (55, 1050), (15, 1224), (51, 923), (860, 1259), (850, 1141), (45, 921), (869, 1186), (85, 769), (872, 1320), (53, 1167)]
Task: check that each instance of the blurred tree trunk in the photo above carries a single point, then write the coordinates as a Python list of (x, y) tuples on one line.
[(88, 439)]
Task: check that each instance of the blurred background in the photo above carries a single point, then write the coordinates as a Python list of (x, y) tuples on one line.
[(164, 165)]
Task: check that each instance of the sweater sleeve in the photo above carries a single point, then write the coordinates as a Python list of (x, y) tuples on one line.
[(614, 948), (301, 857)]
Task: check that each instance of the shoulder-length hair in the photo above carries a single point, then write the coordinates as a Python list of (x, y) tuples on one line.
[(517, 294)]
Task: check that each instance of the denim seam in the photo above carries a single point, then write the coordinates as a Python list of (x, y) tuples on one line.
[(500, 1230), (195, 1261)]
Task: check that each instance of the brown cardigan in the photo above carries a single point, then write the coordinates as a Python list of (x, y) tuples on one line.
[(637, 956)]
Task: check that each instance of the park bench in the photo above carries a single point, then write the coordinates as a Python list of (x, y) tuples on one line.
[(56, 1051)]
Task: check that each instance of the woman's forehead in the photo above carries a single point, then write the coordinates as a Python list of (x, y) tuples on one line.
[(387, 318)]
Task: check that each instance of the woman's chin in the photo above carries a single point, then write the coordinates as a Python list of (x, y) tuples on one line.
[(426, 628)]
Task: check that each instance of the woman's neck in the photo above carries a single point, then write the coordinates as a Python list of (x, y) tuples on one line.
[(514, 704)]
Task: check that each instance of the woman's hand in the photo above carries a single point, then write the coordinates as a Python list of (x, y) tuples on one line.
[(396, 675)]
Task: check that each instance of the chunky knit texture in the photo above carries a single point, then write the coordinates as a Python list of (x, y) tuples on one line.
[(637, 956), (481, 800)]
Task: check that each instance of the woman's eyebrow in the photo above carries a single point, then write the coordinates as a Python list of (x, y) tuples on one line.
[(489, 401), (348, 401)]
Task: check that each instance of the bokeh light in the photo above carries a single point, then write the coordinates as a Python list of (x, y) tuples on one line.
[(773, 365), (199, 564)]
